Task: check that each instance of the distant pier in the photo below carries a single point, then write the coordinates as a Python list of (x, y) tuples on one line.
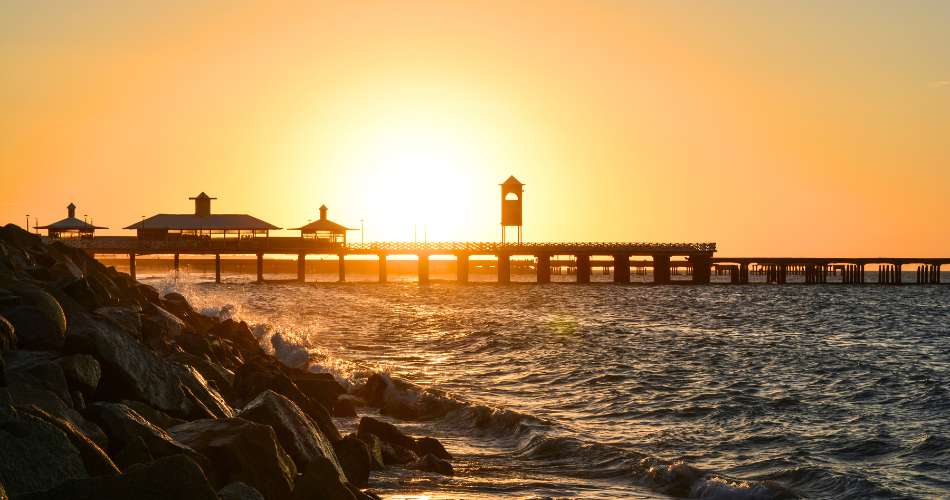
[(691, 263)]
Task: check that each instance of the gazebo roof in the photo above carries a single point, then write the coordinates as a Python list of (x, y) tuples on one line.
[(70, 223), (512, 181), (214, 221), (322, 225)]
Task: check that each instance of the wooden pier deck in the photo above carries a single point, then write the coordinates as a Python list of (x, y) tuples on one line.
[(696, 260)]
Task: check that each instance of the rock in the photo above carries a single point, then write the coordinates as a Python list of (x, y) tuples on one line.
[(135, 452), (3, 372), (36, 370), (240, 335), (123, 426), (321, 480), (126, 318), (154, 416), (320, 387), (387, 432), (343, 407), (428, 445), (220, 378), (35, 454), (432, 463), (79, 401), (239, 491), (302, 440), (131, 371), (355, 459), (374, 390), (375, 447), (255, 377), (241, 450), (7, 335), (397, 455), (82, 372), (167, 323), (175, 477), (34, 328), (96, 461), (401, 409)]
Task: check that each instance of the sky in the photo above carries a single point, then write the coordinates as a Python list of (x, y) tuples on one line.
[(773, 128)]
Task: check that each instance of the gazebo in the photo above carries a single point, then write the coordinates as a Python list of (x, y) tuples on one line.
[(70, 227), (201, 225), (324, 230)]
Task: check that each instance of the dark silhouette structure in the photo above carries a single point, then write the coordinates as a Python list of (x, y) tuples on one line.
[(324, 230), (70, 227), (201, 224), (512, 191)]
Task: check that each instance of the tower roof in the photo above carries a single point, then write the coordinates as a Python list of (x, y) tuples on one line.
[(511, 181), (202, 196)]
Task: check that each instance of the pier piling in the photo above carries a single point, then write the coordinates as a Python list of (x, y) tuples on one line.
[(583, 268), (260, 268), (621, 269), (423, 268), (461, 268), (132, 265), (382, 268), (217, 268), (341, 268), (503, 267), (543, 269), (302, 267)]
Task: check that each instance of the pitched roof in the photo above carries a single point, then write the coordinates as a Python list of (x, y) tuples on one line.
[(322, 225), (192, 221), (202, 196), (69, 223), (511, 180)]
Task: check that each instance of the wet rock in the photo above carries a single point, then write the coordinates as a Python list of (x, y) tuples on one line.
[(135, 452), (321, 480), (79, 401), (320, 387), (239, 491), (397, 455), (401, 409), (195, 344), (239, 334), (28, 371), (343, 407), (34, 328), (258, 376), (374, 390), (429, 445), (126, 318), (241, 450), (7, 335), (82, 372), (167, 323), (34, 453), (432, 463), (131, 371), (355, 459), (96, 461), (154, 416), (123, 426), (175, 477), (302, 440), (375, 448), (387, 432), (220, 378)]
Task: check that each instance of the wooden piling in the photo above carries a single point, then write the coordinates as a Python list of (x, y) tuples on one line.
[(217, 268), (583, 268), (543, 269), (260, 268), (461, 268), (382, 267), (302, 267), (341, 268), (423, 268), (132, 265)]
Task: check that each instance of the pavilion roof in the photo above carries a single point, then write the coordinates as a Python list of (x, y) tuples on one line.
[(70, 223), (322, 225), (203, 222)]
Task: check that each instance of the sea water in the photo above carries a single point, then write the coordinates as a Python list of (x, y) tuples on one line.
[(606, 391)]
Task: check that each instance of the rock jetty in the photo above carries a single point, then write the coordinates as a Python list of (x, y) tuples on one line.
[(110, 391)]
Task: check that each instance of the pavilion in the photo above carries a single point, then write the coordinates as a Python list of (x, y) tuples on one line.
[(201, 225), (70, 227), (324, 230)]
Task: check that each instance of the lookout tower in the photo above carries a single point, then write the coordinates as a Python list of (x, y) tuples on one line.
[(511, 193), (202, 204), (70, 227)]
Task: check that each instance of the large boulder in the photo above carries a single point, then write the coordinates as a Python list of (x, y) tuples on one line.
[(37, 370), (125, 427), (385, 431), (82, 372), (302, 440), (7, 335), (35, 329), (174, 477), (156, 417), (239, 491), (355, 458), (321, 480), (128, 319), (432, 463), (96, 461), (375, 448), (35, 453), (430, 445), (241, 450), (131, 371), (320, 387)]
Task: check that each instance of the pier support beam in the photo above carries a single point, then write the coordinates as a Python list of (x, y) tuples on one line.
[(544, 269), (661, 269), (504, 268), (260, 268), (423, 269), (382, 268), (744, 274), (621, 269), (461, 268), (177, 264), (782, 273), (341, 268), (302, 267), (217, 268), (897, 274), (583, 268), (132, 265), (700, 265)]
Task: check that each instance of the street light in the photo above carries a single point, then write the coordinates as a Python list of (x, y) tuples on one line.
[(27, 223)]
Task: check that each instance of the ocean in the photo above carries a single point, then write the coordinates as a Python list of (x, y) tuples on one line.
[(607, 391)]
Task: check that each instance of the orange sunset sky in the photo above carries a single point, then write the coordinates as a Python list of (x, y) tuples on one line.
[(798, 128)]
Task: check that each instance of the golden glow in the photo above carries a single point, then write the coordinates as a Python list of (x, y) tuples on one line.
[(772, 128)]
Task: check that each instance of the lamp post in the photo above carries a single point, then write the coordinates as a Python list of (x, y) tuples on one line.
[(27, 223)]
